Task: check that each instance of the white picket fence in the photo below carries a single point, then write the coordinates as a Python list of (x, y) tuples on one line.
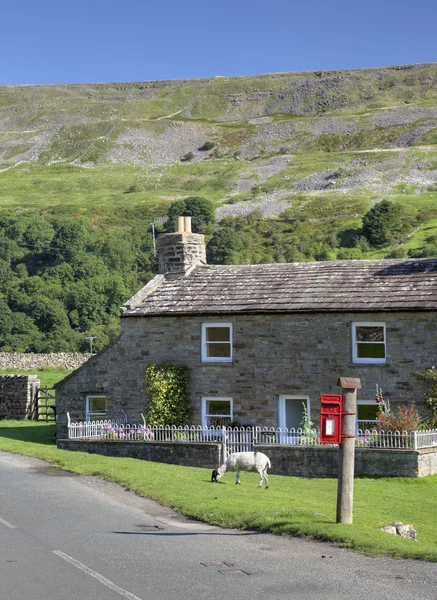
[(240, 439)]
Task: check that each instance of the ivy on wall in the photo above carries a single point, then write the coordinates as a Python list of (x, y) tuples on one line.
[(167, 389)]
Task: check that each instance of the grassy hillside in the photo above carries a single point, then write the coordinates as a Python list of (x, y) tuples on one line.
[(318, 142), (291, 161)]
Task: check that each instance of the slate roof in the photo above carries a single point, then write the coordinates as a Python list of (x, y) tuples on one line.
[(332, 286)]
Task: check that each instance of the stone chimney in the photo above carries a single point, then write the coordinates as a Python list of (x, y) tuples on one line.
[(179, 252)]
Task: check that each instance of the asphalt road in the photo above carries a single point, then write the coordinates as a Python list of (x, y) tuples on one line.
[(64, 536)]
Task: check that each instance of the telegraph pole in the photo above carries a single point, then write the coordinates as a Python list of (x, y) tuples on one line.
[(346, 457), (157, 221), (91, 338)]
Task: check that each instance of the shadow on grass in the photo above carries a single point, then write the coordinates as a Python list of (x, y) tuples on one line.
[(32, 433)]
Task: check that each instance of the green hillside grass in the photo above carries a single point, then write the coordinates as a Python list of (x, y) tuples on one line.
[(297, 160)]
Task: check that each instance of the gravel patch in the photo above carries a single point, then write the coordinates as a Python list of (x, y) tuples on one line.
[(6, 124), (318, 181), (402, 116), (143, 146), (271, 205), (406, 139), (259, 173), (379, 177), (260, 120), (334, 126), (269, 139), (39, 144), (294, 135)]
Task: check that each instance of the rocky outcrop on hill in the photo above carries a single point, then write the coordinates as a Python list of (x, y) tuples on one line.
[(255, 124)]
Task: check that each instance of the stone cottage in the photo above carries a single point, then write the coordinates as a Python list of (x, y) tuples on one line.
[(264, 341)]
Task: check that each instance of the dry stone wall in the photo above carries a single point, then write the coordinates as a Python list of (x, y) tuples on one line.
[(22, 361), (207, 456), (19, 396), (293, 461)]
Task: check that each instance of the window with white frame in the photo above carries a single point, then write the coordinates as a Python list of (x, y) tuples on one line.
[(216, 412), (367, 411), (95, 407), (292, 411), (216, 342), (368, 343)]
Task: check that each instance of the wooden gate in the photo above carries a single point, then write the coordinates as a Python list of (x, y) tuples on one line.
[(46, 404)]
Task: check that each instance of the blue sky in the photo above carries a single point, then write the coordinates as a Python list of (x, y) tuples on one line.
[(57, 41)]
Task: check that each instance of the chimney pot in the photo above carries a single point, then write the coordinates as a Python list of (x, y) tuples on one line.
[(187, 224), (180, 225)]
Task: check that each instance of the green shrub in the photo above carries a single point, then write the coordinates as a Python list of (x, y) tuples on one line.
[(169, 401), (207, 146), (187, 157), (405, 418), (429, 378), (382, 222)]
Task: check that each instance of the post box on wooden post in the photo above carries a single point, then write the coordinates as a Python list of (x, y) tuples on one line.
[(330, 418), (346, 455)]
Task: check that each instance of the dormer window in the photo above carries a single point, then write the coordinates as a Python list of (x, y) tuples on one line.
[(216, 342)]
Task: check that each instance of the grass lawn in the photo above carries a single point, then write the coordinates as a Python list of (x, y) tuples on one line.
[(47, 376), (295, 506)]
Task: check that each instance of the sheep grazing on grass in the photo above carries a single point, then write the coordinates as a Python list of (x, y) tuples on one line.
[(245, 461)]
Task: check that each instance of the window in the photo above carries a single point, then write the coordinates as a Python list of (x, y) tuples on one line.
[(216, 411), (95, 407), (292, 411), (216, 342), (368, 343), (367, 411)]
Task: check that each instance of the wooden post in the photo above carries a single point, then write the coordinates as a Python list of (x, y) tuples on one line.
[(346, 456)]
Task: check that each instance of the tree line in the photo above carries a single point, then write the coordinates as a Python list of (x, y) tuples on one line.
[(63, 279)]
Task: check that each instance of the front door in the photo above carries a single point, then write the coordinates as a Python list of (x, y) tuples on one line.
[(292, 411)]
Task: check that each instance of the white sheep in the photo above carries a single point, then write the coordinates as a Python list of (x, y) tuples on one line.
[(245, 461)]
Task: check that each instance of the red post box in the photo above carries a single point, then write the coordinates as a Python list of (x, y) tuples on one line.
[(330, 418)]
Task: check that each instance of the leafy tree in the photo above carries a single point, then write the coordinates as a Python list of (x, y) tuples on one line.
[(117, 252), (6, 274), (382, 222), (223, 246), (38, 234), (63, 273), (70, 240), (200, 209)]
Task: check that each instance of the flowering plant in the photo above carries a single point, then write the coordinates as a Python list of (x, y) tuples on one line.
[(406, 418), (120, 432), (384, 405)]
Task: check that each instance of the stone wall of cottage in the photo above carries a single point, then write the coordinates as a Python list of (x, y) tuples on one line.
[(296, 354), (19, 396)]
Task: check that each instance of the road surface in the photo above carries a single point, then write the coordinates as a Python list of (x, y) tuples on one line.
[(81, 538)]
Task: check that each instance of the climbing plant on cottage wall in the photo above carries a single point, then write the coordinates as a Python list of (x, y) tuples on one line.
[(167, 390)]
